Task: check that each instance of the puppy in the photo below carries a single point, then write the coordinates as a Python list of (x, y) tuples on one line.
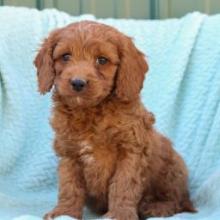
[(111, 157)]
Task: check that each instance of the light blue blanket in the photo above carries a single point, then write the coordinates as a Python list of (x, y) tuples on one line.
[(182, 89)]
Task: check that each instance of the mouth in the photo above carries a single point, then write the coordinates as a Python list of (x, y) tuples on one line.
[(87, 97)]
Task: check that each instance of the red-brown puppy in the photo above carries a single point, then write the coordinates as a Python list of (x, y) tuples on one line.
[(111, 157)]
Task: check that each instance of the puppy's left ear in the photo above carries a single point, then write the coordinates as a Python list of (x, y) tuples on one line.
[(131, 72)]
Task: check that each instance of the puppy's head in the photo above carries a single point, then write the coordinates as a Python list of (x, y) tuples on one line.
[(87, 62)]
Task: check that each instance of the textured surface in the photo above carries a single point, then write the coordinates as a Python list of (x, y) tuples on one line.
[(142, 9), (182, 89)]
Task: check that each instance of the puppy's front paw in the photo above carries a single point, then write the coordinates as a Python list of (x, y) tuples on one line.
[(61, 211), (122, 214)]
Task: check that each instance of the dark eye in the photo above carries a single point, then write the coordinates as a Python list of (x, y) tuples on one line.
[(102, 60), (66, 57)]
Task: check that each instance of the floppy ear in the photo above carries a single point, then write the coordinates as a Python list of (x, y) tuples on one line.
[(131, 72), (45, 64)]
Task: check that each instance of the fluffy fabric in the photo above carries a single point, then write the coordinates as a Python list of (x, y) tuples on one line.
[(182, 89)]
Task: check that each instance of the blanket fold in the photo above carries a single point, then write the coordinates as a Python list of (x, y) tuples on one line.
[(182, 88)]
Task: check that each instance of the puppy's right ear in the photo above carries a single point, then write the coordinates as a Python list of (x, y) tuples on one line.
[(45, 64)]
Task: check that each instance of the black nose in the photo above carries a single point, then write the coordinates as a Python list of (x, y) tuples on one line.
[(78, 84)]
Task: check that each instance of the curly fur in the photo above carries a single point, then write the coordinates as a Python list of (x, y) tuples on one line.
[(111, 157)]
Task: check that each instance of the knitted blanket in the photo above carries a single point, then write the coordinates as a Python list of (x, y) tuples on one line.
[(182, 88)]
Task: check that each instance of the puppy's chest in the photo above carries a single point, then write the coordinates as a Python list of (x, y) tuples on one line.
[(101, 133), (98, 164), (94, 146)]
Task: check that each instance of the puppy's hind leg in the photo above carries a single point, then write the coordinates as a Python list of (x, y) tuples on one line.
[(169, 190)]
